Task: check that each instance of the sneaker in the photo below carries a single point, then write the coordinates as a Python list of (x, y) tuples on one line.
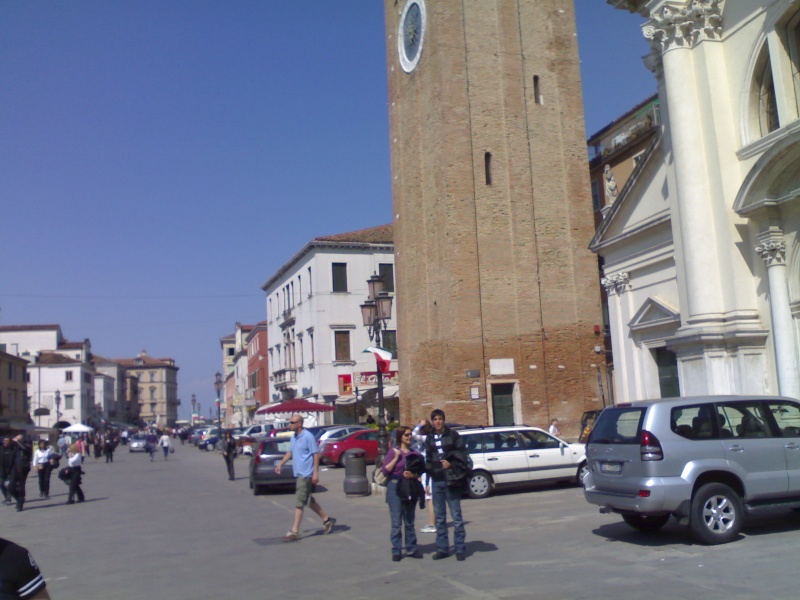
[(291, 536), (460, 556), (428, 529), (328, 525), (438, 555), (396, 557)]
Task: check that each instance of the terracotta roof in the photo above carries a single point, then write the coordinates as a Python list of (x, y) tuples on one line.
[(71, 345), (29, 327), (145, 361), (54, 358), (382, 234), (102, 360)]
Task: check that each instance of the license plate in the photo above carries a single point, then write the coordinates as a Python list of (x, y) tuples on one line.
[(611, 467)]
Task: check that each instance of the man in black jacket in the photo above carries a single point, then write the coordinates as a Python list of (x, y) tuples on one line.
[(6, 462), (20, 468), (445, 459)]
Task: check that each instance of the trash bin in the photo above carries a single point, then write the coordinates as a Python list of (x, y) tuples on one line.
[(355, 473)]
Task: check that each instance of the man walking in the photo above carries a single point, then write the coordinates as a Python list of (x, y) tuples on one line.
[(447, 463), (6, 462), (20, 468), (304, 453)]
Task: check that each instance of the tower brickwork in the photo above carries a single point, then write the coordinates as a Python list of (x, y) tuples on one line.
[(497, 291)]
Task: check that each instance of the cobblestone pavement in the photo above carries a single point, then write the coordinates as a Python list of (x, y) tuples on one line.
[(180, 529)]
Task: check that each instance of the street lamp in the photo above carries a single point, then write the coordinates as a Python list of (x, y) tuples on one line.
[(58, 406), (375, 312), (218, 388), (194, 404)]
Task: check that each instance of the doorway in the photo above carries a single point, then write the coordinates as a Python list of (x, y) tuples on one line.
[(503, 404)]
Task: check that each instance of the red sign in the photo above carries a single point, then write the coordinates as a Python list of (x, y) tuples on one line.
[(345, 385)]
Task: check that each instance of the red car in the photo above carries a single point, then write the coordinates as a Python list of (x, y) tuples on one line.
[(331, 452)]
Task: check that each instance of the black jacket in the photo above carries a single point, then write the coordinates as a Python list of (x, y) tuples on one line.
[(23, 454), (453, 451), (6, 460)]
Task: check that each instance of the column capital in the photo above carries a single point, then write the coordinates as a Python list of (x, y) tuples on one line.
[(616, 282), (772, 251), (674, 26)]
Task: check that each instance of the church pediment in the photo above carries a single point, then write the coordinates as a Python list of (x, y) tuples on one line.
[(641, 204), (654, 312), (774, 179)]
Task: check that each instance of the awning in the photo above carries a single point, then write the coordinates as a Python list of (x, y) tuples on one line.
[(345, 400), (370, 395), (295, 405)]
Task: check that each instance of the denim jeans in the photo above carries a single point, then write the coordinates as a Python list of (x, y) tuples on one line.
[(402, 513), (445, 497)]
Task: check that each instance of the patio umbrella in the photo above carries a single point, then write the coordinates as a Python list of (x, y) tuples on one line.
[(78, 428), (295, 405)]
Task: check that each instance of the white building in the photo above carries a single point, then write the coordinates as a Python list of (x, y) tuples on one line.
[(71, 380), (314, 324), (702, 248)]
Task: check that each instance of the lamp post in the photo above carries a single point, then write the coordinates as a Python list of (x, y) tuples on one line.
[(194, 405), (218, 388), (375, 312), (58, 406)]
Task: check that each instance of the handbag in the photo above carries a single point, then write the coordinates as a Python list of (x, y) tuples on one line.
[(380, 477)]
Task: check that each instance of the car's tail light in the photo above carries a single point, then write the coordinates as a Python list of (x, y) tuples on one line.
[(651, 447)]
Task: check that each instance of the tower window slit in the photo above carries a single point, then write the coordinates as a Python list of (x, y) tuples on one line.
[(537, 94), (487, 167)]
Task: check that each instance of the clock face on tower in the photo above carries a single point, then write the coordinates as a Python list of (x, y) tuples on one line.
[(410, 34)]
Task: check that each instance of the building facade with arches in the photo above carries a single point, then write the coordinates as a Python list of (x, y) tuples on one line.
[(701, 250)]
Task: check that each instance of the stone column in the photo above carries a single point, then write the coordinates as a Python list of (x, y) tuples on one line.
[(773, 251), (673, 34)]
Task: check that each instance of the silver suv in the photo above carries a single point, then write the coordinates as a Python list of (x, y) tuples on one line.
[(706, 461)]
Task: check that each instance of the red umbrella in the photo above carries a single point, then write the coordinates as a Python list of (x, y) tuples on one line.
[(295, 405)]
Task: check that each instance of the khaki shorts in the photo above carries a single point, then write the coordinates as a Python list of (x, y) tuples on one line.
[(304, 491)]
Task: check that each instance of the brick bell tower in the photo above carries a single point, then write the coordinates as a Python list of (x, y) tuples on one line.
[(498, 294)]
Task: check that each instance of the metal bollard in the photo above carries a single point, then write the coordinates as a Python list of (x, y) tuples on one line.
[(355, 473)]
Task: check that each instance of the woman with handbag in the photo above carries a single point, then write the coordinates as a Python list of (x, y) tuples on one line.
[(41, 463), (402, 492)]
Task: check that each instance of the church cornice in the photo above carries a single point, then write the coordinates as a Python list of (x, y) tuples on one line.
[(677, 25)]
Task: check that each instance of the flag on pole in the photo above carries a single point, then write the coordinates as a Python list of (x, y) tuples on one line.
[(384, 358)]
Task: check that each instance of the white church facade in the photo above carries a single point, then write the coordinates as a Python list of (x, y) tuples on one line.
[(701, 249)]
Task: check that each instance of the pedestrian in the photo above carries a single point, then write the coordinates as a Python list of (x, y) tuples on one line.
[(20, 576), (553, 429), (109, 445), (98, 448), (370, 420), (419, 435), (41, 464), (81, 444), (304, 453), (163, 441), (20, 469), (229, 453), (6, 463), (74, 479), (403, 491), (61, 445), (150, 441), (447, 463)]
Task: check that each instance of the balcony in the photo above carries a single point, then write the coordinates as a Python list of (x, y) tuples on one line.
[(284, 378), (286, 318)]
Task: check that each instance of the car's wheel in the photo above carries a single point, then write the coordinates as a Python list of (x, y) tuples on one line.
[(340, 462), (210, 447), (646, 522), (716, 515), (480, 485), (583, 470)]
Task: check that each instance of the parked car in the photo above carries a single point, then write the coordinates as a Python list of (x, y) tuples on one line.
[(281, 432), (138, 441), (519, 454), (707, 461), (335, 432), (207, 433), (257, 432), (269, 453), (332, 450), (208, 443)]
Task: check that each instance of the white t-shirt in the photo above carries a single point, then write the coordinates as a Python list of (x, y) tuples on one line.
[(163, 441), (553, 430)]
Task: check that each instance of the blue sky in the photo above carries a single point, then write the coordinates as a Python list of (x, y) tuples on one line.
[(161, 159)]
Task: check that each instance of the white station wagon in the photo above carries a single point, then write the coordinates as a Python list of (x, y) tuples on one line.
[(518, 454)]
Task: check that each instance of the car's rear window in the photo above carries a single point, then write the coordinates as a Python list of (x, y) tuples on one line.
[(275, 447), (618, 426)]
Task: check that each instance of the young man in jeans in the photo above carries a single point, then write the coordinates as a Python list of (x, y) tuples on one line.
[(446, 461), (305, 454)]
